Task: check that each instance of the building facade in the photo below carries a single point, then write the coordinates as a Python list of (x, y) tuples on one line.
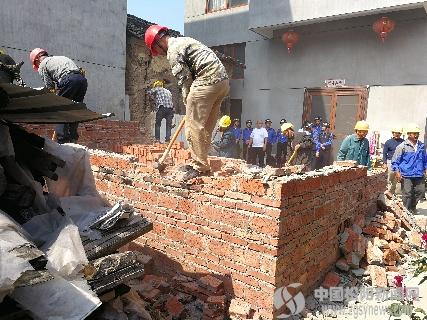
[(385, 82), (92, 33)]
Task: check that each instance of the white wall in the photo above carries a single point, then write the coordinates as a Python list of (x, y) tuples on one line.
[(397, 106), (92, 33)]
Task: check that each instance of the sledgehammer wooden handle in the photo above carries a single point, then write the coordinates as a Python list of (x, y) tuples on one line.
[(292, 157), (174, 137)]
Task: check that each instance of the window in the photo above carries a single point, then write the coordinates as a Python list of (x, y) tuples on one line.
[(237, 52), (216, 5)]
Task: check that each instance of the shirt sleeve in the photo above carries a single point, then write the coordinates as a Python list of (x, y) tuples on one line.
[(48, 81), (181, 71), (342, 153), (252, 135), (397, 157), (385, 151)]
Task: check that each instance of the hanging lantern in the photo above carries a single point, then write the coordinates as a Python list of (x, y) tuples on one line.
[(383, 27), (290, 38)]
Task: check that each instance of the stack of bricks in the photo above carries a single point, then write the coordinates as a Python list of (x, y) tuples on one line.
[(109, 135), (255, 237)]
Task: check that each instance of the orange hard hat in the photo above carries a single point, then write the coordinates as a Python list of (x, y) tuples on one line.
[(150, 36), (34, 55)]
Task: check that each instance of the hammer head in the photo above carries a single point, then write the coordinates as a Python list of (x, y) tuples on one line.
[(159, 166)]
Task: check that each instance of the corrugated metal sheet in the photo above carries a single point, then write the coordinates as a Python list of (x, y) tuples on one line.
[(27, 105)]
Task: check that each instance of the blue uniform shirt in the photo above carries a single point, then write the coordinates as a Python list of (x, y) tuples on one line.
[(271, 136), (247, 134), (237, 132), (316, 129), (390, 147), (281, 137)]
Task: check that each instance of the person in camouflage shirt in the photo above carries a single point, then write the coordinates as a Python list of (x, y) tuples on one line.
[(204, 83)]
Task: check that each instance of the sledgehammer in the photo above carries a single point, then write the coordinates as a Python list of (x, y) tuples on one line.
[(159, 165)]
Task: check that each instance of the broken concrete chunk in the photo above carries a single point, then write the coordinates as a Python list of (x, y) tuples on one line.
[(378, 276), (374, 255), (391, 257)]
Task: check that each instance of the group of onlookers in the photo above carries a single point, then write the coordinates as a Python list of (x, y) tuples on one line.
[(406, 160)]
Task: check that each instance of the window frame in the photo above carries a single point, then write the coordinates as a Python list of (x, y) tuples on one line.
[(227, 6)]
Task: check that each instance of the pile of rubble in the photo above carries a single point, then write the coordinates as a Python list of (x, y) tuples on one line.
[(376, 246), (159, 298)]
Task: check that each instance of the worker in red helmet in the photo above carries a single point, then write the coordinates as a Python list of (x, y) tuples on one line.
[(61, 75), (204, 83)]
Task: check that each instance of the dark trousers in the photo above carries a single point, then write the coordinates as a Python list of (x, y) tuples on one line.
[(281, 153), (413, 190), (268, 157), (245, 152), (163, 113), (254, 153), (324, 159), (72, 86)]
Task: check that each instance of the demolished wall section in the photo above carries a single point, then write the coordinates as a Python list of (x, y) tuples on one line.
[(257, 237), (110, 135)]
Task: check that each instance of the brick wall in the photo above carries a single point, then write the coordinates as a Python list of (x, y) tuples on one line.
[(108, 135), (256, 236)]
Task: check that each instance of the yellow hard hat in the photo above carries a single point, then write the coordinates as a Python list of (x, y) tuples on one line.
[(361, 125), (397, 129), (2, 51), (225, 121), (286, 126), (413, 127), (158, 83)]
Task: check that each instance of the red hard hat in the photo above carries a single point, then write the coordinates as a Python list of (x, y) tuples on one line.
[(33, 56), (150, 37)]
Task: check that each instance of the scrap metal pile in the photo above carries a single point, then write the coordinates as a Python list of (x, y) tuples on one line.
[(58, 237)]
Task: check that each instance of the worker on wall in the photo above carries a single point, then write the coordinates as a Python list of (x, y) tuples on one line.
[(204, 82), (162, 98), (301, 145), (388, 151), (61, 75), (226, 146), (410, 165), (356, 146)]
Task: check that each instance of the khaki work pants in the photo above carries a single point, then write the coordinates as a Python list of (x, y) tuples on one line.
[(202, 112), (391, 179)]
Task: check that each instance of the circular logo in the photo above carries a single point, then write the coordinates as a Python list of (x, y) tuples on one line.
[(294, 302)]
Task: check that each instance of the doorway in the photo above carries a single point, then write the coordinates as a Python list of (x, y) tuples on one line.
[(341, 107)]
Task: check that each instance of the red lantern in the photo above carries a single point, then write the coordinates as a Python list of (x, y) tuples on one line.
[(290, 38), (383, 27)]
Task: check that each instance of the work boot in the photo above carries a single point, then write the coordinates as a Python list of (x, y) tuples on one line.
[(192, 173)]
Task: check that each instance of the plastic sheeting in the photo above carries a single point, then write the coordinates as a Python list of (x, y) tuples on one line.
[(58, 299), (76, 178), (12, 236)]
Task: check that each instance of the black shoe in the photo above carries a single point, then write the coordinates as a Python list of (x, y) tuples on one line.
[(185, 168), (193, 173)]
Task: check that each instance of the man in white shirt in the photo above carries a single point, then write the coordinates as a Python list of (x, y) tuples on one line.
[(258, 144)]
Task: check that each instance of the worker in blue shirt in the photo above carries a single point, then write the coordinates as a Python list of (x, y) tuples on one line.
[(388, 151), (323, 147), (246, 137), (316, 127), (410, 164), (282, 146), (237, 131), (271, 140)]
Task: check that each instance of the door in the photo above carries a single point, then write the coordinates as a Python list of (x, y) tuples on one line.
[(341, 107)]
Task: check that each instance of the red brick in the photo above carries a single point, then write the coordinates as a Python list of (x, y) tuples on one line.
[(251, 186), (211, 283), (264, 225), (267, 201), (174, 306), (332, 279)]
